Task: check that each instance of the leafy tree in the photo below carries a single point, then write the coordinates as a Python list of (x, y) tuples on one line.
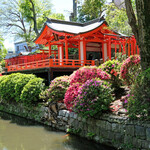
[(3, 50), (24, 18), (90, 9), (141, 28), (117, 19)]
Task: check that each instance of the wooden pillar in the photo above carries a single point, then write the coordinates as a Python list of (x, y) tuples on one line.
[(66, 49), (115, 49), (109, 48), (84, 50), (103, 52), (124, 50), (79, 51), (50, 50), (60, 53), (129, 48)]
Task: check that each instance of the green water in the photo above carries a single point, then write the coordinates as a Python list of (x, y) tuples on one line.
[(20, 134)]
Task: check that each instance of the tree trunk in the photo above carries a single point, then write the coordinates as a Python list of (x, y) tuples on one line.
[(141, 28), (34, 18)]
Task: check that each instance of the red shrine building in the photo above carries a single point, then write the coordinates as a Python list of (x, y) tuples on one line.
[(90, 41)]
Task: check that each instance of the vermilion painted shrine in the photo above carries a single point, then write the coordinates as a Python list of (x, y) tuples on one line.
[(92, 40)]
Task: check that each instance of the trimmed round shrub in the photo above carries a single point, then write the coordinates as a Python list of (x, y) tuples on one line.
[(130, 69), (85, 73), (56, 90), (30, 93), (71, 95), (112, 67), (23, 79), (7, 86), (94, 98), (139, 100)]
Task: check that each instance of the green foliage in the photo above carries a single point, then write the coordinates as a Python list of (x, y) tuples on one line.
[(90, 9), (139, 101), (23, 79), (30, 93), (117, 19), (93, 99), (7, 86), (57, 16), (112, 67), (57, 89), (3, 50), (121, 57)]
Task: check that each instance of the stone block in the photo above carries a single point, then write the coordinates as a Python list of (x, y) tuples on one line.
[(115, 127), (101, 124), (79, 118), (128, 139), (140, 132), (71, 120), (67, 114), (119, 137), (71, 114), (65, 119), (108, 126), (148, 134), (130, 130), (75, 116)]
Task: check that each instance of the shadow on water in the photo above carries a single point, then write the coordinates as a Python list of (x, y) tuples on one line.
[(68, 142)]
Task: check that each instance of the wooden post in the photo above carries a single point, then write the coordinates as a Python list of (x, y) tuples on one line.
[(79, 51), (84, 50), (115, 49), (50, 50), (66, 49), (103, 52), (109, 48)]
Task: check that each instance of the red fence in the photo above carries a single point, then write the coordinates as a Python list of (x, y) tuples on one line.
[(50, 63)]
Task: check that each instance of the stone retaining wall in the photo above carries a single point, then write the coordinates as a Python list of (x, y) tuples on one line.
[(111, 130)]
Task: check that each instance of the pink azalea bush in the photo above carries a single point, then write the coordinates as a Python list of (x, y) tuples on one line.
[(130, 69), (56, 90), (71, 95), (85, 73), (94, 98)]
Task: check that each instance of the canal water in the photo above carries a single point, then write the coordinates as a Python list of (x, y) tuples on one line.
[(20, 134)]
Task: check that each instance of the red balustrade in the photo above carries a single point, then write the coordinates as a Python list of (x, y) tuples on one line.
[(50, 63)]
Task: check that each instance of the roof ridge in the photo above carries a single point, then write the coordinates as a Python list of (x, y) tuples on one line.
[(50, 20)]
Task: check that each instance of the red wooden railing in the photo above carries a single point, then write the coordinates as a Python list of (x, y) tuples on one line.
[(50, 63)]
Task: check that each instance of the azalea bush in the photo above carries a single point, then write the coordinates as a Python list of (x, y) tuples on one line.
[(112, 67), (71, 95), (56, 90), (94, 98), (139, 100), (85, 73), (130, 69)]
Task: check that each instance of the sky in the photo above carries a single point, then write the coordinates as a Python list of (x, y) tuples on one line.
[(59, 6)]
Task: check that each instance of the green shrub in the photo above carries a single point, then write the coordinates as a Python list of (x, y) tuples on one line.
[(23, 79), (30, 93), (94, 98), (56, 90), (139, 101), (7, 86), (112, 67)]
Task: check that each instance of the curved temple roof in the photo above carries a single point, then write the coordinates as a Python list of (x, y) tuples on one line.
[(74, 28)]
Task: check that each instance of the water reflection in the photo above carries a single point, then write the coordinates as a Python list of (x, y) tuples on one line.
[(20, 134)]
